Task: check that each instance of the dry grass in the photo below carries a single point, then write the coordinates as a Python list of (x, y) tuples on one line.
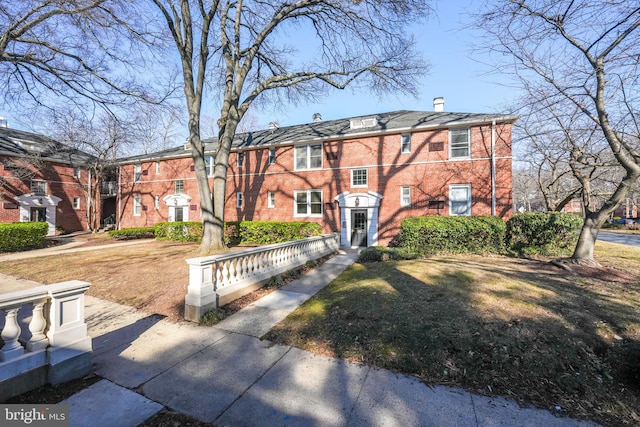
[(512, 327)]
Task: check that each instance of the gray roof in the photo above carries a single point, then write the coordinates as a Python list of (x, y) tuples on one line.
[(397, 121), (20, 143)]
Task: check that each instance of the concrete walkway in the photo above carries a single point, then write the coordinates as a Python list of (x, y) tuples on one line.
[(225, 375)]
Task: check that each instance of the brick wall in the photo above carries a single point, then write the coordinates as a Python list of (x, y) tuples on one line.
[(425, 169), (60, 182)]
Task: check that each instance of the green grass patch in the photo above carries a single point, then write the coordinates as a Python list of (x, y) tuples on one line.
[(494, 325)]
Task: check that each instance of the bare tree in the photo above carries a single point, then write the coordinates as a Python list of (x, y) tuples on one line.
[(248, 50), (585, 53), (82, 51)]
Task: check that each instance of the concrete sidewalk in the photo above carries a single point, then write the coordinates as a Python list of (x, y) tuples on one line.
[(225, 375)]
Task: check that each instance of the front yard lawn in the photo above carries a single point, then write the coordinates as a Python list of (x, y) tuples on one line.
[(494, 325)]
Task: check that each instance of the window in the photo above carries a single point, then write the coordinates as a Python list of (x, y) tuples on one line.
[(179, 186), (272, 156), (406, 143), (157, 202), (459, 143), (271, 199), (76, 172), (359, 177), (405, 196), (39, 188), (179, 215), (460, 200), (308, 157), (308, 203), (208, 165), (239, 200), (157, 168), (76, 203), (240, 159), (137, 206), (137, 172)]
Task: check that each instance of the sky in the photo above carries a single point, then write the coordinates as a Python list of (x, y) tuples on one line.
[(461, 79), (444, 42)]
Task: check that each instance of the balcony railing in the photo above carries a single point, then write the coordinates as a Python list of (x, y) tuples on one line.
[(108, 188)]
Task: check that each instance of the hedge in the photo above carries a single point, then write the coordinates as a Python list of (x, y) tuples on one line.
[(544, 233), (133, 233), (454, 234), (22, 235), (241, 232)]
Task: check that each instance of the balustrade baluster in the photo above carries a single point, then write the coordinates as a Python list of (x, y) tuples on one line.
[(37, 325), (10, 335)]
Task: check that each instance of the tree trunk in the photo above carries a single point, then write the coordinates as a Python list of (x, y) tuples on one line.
[(583, 253)]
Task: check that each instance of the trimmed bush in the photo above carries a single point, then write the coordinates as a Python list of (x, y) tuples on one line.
[(452, 234), (188, 231), (380, 253), (22, 235), (265, 232), (133, 233), (544, 233), (240, 232)]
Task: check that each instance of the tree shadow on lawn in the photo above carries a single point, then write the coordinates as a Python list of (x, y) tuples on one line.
[(533, 335)]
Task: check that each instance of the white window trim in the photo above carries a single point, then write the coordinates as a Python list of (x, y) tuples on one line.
[(239, 200), (308, 214), (77, 172), (175, 186), (157, 167), (210, 166), (76, 203), (308, 157), (402, 196), (137, 206), (271, 159), (365, 185), (157, 202), (38, 182), (240, 159), (271, 199), (468, 156), (402, 143), (469, 199), (137, 172)]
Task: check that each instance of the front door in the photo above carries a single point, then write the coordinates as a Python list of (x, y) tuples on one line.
[(359, 228), (38, 214)]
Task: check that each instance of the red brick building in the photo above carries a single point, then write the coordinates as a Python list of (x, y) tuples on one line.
[(43, 180), (359, 176)]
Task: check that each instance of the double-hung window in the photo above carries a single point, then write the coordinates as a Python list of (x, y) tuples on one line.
[(460, 200), (179, 186), (359, 178), (459, 144), (137, 205), (308, 157), (137, 172), (39, 188), (76, 203), (405, 196), (308, 203), (208, 165), (271, 199), (272, 156), (239, 200), (76, 172), (406, 143), (240, 160)]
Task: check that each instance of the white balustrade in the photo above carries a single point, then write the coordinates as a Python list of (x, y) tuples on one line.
[(44, 330), (218, 279)]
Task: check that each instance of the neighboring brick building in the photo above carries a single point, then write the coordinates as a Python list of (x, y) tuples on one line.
[(42, 180), (359, 176)]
